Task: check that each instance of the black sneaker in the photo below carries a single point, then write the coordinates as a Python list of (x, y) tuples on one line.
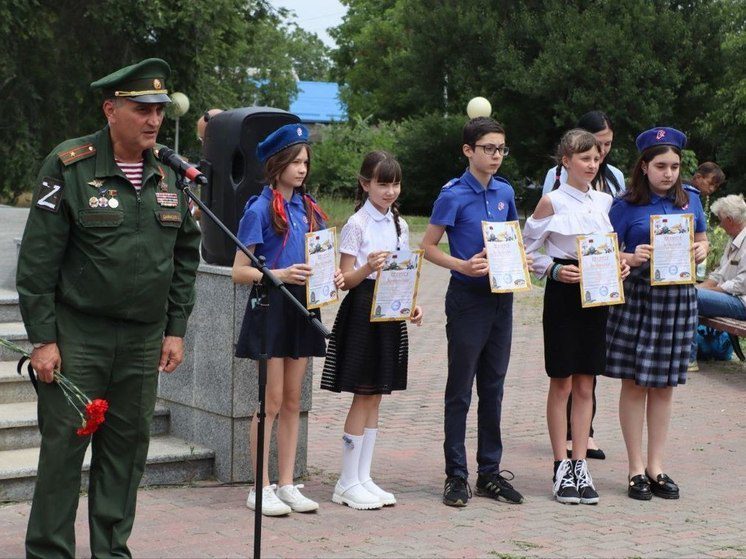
[(565, 487), (588, 494), (496, 487), (456, 492)]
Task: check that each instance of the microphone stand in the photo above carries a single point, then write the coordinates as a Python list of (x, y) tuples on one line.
[(269, 281)]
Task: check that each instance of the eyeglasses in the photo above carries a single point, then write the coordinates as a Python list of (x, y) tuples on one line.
[(491, 149)]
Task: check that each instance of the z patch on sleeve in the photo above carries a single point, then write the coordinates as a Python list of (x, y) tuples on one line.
[(50, 194)]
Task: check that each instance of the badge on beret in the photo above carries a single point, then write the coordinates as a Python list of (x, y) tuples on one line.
[(50, 194), (299, 131)]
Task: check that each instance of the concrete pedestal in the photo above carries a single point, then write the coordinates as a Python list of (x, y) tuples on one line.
[(212, 395)]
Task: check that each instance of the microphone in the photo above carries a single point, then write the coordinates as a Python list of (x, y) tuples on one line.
[(181, 167)]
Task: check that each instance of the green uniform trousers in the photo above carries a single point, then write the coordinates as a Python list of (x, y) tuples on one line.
[(106, 358)]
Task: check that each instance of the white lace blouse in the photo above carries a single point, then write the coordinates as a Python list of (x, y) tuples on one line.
[(368, 230), (575, 213)]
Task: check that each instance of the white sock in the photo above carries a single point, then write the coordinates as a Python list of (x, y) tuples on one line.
[(351, 447), (366, 455)]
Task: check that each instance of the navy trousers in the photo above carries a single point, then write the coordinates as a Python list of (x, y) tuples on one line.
[(479, 327)]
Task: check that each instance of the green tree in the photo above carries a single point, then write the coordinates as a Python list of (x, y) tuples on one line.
[(542, 64), (725, 124), (223, 53), (309, 55)]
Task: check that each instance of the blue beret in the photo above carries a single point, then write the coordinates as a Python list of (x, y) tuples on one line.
[(282, 138), (661, 136)]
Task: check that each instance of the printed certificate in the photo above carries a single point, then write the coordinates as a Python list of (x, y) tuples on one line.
[(600, 276), (672, 239), (506, 256), (395, 292), (321, 255)]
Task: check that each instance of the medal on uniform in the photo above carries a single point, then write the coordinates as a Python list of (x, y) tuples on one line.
[(96, 183), (102, 202), (163, 186), (93, 202), (113, 202), (167, 199)]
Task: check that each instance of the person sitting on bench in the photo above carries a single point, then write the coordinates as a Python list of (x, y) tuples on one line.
[(723, 294)]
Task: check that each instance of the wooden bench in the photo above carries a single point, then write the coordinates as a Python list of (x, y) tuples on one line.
[(734, 328)]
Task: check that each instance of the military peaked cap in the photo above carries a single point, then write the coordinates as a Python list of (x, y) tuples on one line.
[(144, 82)]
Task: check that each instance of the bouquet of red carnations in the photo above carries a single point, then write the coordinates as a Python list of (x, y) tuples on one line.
[(91, 412)]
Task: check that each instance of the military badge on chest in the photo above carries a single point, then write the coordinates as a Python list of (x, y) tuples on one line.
[(104, 197), (167, 199)]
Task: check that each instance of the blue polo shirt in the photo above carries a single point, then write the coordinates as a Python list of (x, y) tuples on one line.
[(462, 205), (632, 222), (256, 228)]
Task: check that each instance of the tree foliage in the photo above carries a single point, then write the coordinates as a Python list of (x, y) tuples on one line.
[(543, 63), (53, 50)]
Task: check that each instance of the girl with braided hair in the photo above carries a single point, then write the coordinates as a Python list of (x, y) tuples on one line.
[(274, 225), (367, 358)]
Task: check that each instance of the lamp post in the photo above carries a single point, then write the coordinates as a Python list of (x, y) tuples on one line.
[(478, 106), (178, 108)]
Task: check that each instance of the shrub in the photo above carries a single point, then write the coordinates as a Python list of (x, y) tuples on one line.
[(339, 152)]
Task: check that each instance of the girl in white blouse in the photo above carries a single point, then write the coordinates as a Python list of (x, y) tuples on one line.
[(363, 357), (574, 337)]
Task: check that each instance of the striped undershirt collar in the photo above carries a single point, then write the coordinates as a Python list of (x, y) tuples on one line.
[(133, 172)]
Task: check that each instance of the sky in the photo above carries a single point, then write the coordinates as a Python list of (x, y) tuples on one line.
[(315, 16)]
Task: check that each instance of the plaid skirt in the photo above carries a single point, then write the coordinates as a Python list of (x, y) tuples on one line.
[(649, 338)]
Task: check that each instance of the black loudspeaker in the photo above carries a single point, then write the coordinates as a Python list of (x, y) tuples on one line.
[(234, 172)]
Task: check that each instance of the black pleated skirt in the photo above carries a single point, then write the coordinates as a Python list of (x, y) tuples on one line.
[(289, 334), (574, 337), (365, 357)]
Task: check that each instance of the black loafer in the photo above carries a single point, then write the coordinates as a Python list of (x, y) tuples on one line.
[(664, 487), (639, 488), (591, 453)]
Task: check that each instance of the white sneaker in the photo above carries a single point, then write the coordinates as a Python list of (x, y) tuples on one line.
[(356, 497), (271, 505), (385, 497), (290, 495)]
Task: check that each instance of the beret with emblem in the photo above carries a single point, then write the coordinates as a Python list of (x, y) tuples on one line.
[(282, 138), (144, 82), (660, 136)]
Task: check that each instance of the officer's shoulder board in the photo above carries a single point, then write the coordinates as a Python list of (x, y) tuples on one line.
[(77, 153), (449, 184)]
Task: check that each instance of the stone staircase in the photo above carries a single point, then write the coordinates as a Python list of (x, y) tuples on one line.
[(170, 460)]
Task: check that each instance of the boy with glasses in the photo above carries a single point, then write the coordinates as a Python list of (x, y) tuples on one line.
[(479, 322)]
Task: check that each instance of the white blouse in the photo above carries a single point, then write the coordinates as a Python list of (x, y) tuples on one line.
[(368, 230), (575, 213)]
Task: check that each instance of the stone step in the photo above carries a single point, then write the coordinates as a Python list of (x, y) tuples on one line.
[(9, 309), (19, 426), (171, 461), (16, 333), (14, 388)]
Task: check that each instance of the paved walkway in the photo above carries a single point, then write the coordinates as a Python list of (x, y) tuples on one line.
[(707, 456)]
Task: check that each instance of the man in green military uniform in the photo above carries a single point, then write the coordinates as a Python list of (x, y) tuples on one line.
[(106, 284)]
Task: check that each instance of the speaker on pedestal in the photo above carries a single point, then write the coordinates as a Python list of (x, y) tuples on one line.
[(234, 172)]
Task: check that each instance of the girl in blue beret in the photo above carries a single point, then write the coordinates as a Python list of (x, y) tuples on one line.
[(367, 358), (649, 338), (274, 225)]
